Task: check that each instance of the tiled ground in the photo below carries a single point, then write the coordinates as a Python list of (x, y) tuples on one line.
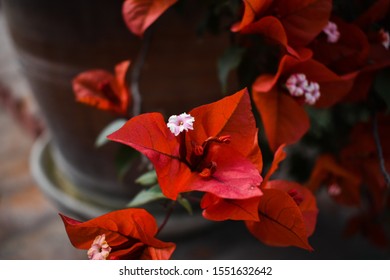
[(29, 224)]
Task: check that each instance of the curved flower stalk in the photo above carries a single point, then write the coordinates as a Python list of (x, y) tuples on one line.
[(104, 90), (219, 156), (122, 234)]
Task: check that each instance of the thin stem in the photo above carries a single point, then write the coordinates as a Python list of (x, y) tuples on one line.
[(380, 151), (136, 72), (167, 216)]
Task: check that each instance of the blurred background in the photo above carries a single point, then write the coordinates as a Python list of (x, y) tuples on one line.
[(29, 224), (46, 138)]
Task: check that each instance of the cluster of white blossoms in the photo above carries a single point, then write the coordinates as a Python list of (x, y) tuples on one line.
[(332, 32), (298, 85), (180, 123)]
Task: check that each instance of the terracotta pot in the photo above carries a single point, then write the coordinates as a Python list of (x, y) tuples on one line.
[(56, 40)]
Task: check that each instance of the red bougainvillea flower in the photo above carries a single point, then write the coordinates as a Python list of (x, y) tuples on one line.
[(297, 21), (280, 98), (358, 50), (285, 215), (342, 184), (367, 224), (122, 234), (287, 211), (288, 215), (220, 209), (104, 90), (345, 55), (356, 164), (140, 14), (219, 156), (360, 156)]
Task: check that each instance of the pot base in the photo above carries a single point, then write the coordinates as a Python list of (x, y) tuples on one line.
[(54, 184)]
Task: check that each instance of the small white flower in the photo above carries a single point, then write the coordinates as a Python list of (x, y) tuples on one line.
[(296, 84), (180, 123), (385, 38), (332, 32), (334, 190), (312, 93), (99, 249)]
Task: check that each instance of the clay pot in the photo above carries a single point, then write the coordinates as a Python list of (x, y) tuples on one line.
[(56, 40)]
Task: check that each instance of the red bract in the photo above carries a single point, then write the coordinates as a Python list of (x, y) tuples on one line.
[(285, 215), (283, 116), (302, 21), (287, 211), (360, 156), (355, 52), (140, 14), (288, 214), (104, 90), (219, 156), (357, 165), (219, 209), (368, 225), (377, 11), (348, 54), (129, 233), (342, 184)]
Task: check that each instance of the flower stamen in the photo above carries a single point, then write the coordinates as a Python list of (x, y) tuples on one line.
[(209, 170), (296, 196)]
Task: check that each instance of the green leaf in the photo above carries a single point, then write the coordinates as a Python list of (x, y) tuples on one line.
[(124, 160), (147, 179), (382, 86), (185, 203), (146, 196), (229, 61), (110, 128), (320, 119)]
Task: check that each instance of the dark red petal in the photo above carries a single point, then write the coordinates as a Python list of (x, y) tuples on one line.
[(219, 209), (284, 119), (303, 20), (308, 204), (119, 226), (231, 116), (140, 14), (279, 156), (281, 221)]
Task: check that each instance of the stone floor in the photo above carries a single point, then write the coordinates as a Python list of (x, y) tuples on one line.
[(29, 224)]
